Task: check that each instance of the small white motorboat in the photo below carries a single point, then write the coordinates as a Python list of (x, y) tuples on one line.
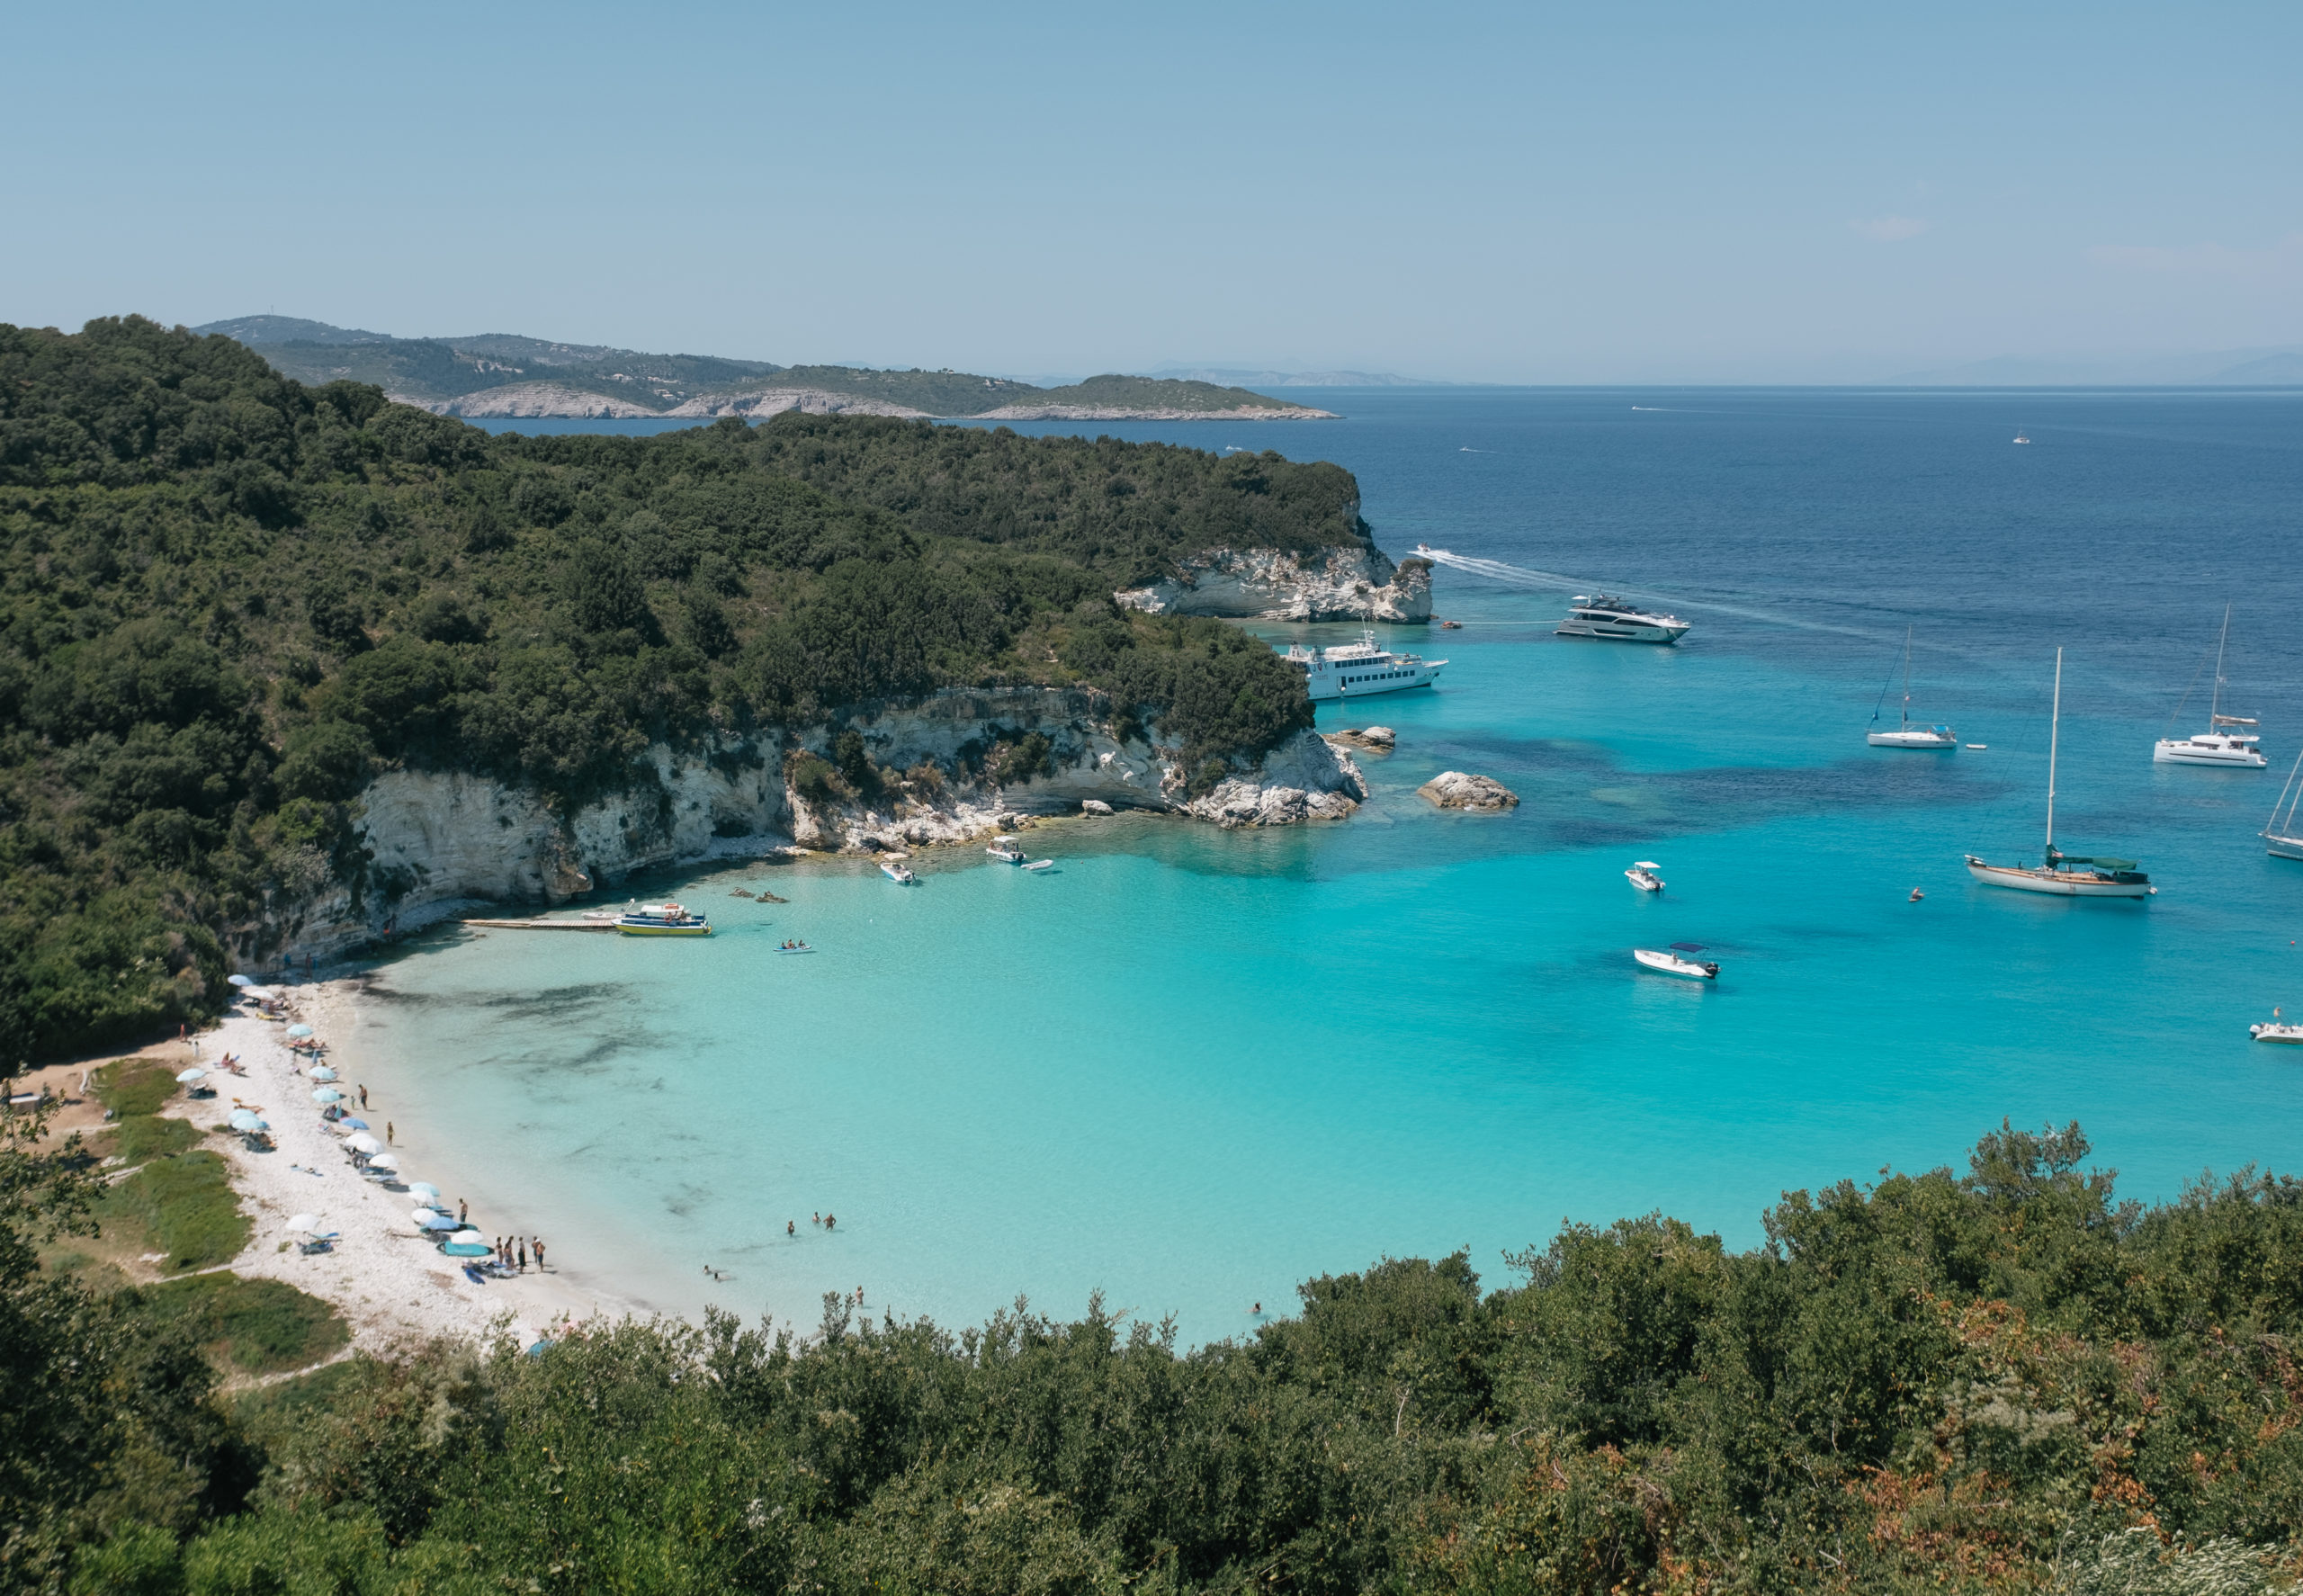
[(2021, 439), (896, 873), (1672, 964), (1041, 865), (1006, 852), (2277, 1031), (1641, 874)]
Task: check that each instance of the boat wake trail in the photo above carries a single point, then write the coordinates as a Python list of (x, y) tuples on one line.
[(1521, 576)]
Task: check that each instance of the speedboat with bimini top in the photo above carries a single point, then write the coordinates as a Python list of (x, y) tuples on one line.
[(662, 919), (1007, 850), (1672, 963), (896, 873), (1641, 874), (2069, 876), (1355, 670), (1619, 620), (1905, 735), (2224, 742)]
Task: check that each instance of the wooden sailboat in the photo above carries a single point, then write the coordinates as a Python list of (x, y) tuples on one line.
[(2067, 876)]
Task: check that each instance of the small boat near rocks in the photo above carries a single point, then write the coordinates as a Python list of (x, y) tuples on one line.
[(1041, 865), (1007, 851), (898, 874), (1641, 874), (1672, 963)]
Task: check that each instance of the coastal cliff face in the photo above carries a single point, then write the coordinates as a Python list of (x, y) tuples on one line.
[(1345, 584), (436, 842)]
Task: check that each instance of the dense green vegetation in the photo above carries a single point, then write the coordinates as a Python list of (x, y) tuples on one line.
[(436, 370), (228, 599), (2003, 1381)]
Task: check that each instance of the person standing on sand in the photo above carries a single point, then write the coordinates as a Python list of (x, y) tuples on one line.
[(364, 1100), (463, 1211), (387, 1127), (523, 1249), (539, 1245)]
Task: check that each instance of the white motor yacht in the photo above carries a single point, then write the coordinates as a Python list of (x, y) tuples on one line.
[(1619, 620), (1905, 735), (2069, 876), (2223, 742), (1672, 964), (1355, 670), (1641, 874)]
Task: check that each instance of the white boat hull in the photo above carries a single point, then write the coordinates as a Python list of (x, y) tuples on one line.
[(2282, 847), (2291, 1035), (1645, 881), (2060, 884), (1911, 740), (1623, 633), (1665, 964), (2169, 750), (1346, 683)]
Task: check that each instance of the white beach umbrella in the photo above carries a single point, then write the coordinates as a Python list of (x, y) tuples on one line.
[(244, 1119), (327, 1094), (299, 1032), (262, 994), (239, 981), (424, 1191), (362, 1141), (321, 1073), (384, 1161), (190, 1075), (306, 1222)]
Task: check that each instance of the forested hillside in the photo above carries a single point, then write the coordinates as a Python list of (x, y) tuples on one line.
[(2006, 1382), (229, 599)]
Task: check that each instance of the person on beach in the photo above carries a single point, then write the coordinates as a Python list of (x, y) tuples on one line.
[(817, 1218), (539, 1246), (829, 1220), (463, 1211), (363, 1099), (791, 1229), (523, 1249), (388, 1130)]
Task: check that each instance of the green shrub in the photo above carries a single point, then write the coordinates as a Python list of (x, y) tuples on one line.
[(133, 1087), (263, 1326), (146, 1136), (185, 1207)]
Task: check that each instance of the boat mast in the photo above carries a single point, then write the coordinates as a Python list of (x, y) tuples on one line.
[(1906, 677), (2215, 707), (2055, 728)]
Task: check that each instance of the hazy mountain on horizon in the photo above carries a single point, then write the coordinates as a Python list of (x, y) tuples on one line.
[(1259, 377), (2280, 367)]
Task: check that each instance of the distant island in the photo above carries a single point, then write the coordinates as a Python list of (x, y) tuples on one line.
[(505, 375)]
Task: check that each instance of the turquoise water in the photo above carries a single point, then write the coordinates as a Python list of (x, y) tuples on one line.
[(1190, 1068)]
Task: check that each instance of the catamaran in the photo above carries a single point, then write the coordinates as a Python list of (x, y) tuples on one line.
[(2281, 839), (2222, 743), (2062, 873), (1355, 670), (1905, 735)]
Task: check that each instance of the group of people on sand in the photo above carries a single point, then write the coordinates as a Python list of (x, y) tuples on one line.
[(512, 1253)]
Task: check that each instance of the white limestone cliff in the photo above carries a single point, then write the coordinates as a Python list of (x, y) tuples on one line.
[(1353, 583)]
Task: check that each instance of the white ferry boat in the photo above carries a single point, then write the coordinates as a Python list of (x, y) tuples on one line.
[(1355, 670), (662, 919), (1620, 620)]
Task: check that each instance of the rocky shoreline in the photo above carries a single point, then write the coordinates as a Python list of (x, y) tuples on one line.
[(557, 400)]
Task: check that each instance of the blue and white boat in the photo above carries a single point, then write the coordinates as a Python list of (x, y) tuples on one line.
[(1355, 670)]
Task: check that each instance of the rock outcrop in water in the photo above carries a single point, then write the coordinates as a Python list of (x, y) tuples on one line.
[(1354, 583), (437, 842), (1452, 789)]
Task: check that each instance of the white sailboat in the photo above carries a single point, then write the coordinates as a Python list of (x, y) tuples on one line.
[(2222, 743), (1905, 735), (2281, 839), (2094, 877)]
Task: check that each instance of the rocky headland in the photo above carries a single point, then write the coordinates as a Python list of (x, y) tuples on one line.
[(438, 842), (1351, 583)]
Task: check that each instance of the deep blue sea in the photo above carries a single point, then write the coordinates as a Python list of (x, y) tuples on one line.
[(1190, 1068)]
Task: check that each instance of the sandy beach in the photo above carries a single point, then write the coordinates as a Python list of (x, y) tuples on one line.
[(391, 1284)]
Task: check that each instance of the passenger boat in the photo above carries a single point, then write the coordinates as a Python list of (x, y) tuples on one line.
[(896, 873), (1641, 874), (2222, 743), (2280, 838), (662, 919), (1905, 735), (1619, 620), (2061, 874), (1672, 964), (1355, 670)]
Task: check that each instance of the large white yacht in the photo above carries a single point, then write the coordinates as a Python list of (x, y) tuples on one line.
[(1355, 670), (1620, 620), (2224, 742)]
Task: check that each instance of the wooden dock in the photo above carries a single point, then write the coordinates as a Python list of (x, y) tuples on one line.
[(544, 925)]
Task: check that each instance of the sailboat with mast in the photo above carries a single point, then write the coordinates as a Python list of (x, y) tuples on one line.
[(2069, 876), (2281, 838), (1905, 735), (2223, 742)]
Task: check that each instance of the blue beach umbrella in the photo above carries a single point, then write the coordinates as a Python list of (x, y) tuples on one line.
[(424, 1192), (432, 1219), (321, 1073), (190, 1075), (327, 1094), (299, 1032), (245, 1119), (239, 981), (466, 1243)]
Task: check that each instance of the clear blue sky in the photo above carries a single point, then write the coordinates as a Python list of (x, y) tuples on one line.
[(1513, 193)]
